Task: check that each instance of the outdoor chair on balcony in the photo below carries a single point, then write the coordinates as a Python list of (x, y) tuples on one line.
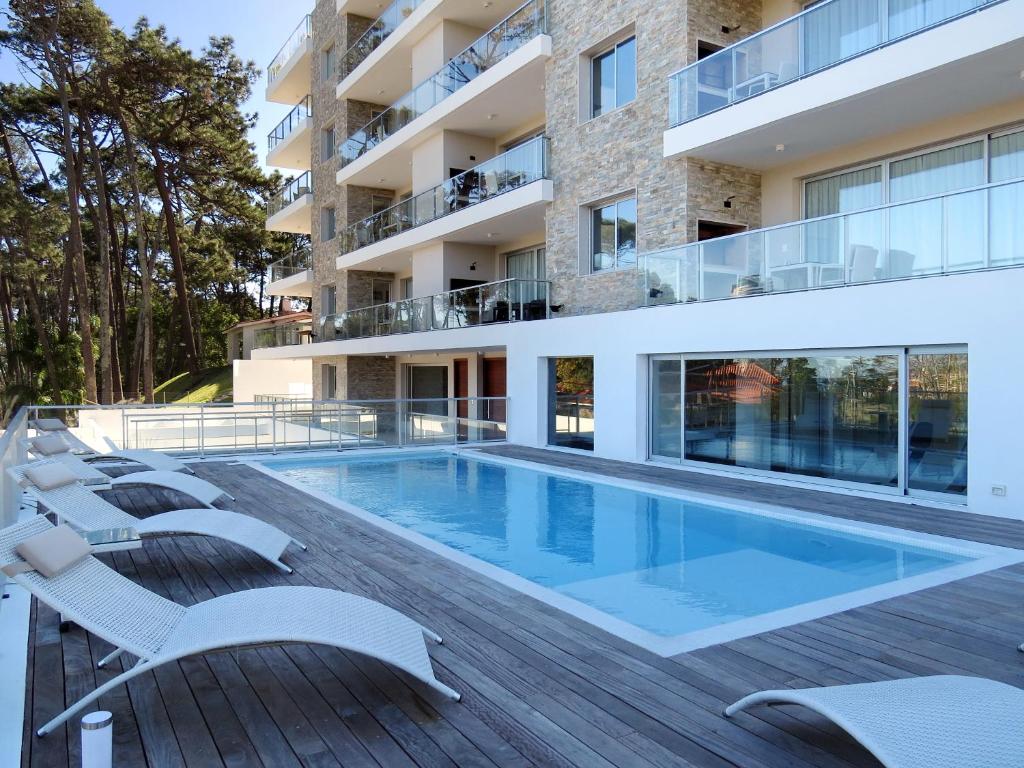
[(944, 721), (87, 453), (158, 631), (64, 495)]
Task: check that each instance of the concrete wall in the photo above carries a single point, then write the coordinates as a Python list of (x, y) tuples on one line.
[(271, 377)]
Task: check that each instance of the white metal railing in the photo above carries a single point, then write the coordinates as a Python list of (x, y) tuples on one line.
[(820, 37), (278, 423), (970, 230)]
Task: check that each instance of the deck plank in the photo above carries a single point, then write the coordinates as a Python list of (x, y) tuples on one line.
[(540, 687)]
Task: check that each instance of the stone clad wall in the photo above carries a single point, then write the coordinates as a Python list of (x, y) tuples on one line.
[(621, 151)]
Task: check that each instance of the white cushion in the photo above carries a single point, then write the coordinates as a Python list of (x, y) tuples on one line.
[(54, 551), (49, 445), (48, 475), (50, 425)]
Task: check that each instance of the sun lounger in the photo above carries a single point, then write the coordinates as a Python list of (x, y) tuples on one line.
[(158, 631), (82, 509), (946, 721), (151, 459)]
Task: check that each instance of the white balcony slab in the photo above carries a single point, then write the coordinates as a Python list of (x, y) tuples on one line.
[(383, 76), (507, 95), (296, 218), (963, 65), (294, 80), (505, 218), (300, 284), (294, 151)]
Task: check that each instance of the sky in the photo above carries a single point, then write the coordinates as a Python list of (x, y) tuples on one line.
[(259, 27)]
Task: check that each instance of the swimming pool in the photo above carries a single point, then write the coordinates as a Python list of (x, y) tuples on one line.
[(667, 571)]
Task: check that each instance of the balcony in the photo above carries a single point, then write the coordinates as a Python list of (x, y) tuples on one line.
[(290, 210), (291, 276), (378, 32), (459, 210), (863, 68), (506, 301), (977, 229), (494, 86), (284, 335), (288, 145), (289, 74)]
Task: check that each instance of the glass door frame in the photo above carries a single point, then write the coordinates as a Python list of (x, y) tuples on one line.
[(901, 489)]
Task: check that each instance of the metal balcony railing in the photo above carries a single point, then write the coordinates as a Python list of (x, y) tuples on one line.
[(377, 33), (302, 33), (289, 193), (283, 335), (290, 265), (301, 112)]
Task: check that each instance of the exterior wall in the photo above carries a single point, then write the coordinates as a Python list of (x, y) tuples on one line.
[(621, 151), (271, 377), (359, 377)]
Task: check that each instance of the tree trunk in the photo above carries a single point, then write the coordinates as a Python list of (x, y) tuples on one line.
[(178, 261), (32, 296)]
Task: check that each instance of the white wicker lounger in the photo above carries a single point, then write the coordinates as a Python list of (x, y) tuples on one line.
[(151, 459), (84, 510), (945, 721), (158, 631), (201, 490)]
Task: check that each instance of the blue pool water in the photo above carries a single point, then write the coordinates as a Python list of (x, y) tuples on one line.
[(666, 565)]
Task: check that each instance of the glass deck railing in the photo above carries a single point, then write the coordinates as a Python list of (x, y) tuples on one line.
[(510, 170), (521, 26), (289, 193), (505, 301), (302, 111), (290, 265), (284, 335), (976, 229), (826, 34), (302, 33), (378, 32)]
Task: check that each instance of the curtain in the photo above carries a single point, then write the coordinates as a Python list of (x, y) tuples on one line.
[(1006, 226), (1007, 153), (837, 30), (935, 173), (842, 193), (909, 16)]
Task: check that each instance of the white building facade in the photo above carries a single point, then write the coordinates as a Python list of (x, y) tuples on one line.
[(798, 258)]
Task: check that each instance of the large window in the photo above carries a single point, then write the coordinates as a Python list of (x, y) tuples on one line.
[(571, 402), (834, 415), (613, 77), (613, 235)]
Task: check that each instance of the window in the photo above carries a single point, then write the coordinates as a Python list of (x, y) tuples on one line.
[(329, 381), (612, 235), (328, 300), (407, 288), (327, 64), (380, 292), (613, 78), (327, 144), (571, 402), (328, 224), (380, 203), (528, 264)]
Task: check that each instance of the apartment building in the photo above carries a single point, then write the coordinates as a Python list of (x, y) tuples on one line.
[(767, 237)]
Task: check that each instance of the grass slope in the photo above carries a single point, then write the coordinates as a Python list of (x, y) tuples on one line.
[(213, 385)]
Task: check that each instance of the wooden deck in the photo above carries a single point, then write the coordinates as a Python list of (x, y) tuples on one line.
[(540, 688)]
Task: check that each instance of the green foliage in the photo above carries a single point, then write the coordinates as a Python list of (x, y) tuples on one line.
[(213, 385)]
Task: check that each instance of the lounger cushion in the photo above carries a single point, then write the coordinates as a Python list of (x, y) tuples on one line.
[(49, 475), (54, 551), (50, 445), (50, 425)]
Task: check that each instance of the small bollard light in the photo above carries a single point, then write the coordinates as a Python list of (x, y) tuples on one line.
[(97, 740)]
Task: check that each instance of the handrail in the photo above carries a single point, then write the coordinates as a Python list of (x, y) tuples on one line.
[(376, 33), (512, 169), (497, 43), (302, 32), (290, 265), (12, 454), (289, 193), (779, 54), (301, 111), (854, 247)]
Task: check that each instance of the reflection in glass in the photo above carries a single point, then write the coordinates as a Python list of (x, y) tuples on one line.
[(835, 417), (938, 423), (571, 402), (666, 408)]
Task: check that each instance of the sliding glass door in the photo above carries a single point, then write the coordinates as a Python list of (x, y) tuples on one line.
[(891, 419)]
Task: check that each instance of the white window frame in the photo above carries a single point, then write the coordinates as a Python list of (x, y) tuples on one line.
[(586, 234)]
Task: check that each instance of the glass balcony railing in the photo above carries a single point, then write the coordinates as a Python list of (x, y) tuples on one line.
[(510, 170), (980, 228), (824, 35), (284, 335), (302, 33), (521, 26), (302, 111), (506, 301), (378, 32), (290, 265), (289, 193)]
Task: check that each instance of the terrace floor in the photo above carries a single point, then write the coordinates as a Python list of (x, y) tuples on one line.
[(539, 687)]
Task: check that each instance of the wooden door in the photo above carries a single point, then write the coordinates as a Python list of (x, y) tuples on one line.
[(495, 384)]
